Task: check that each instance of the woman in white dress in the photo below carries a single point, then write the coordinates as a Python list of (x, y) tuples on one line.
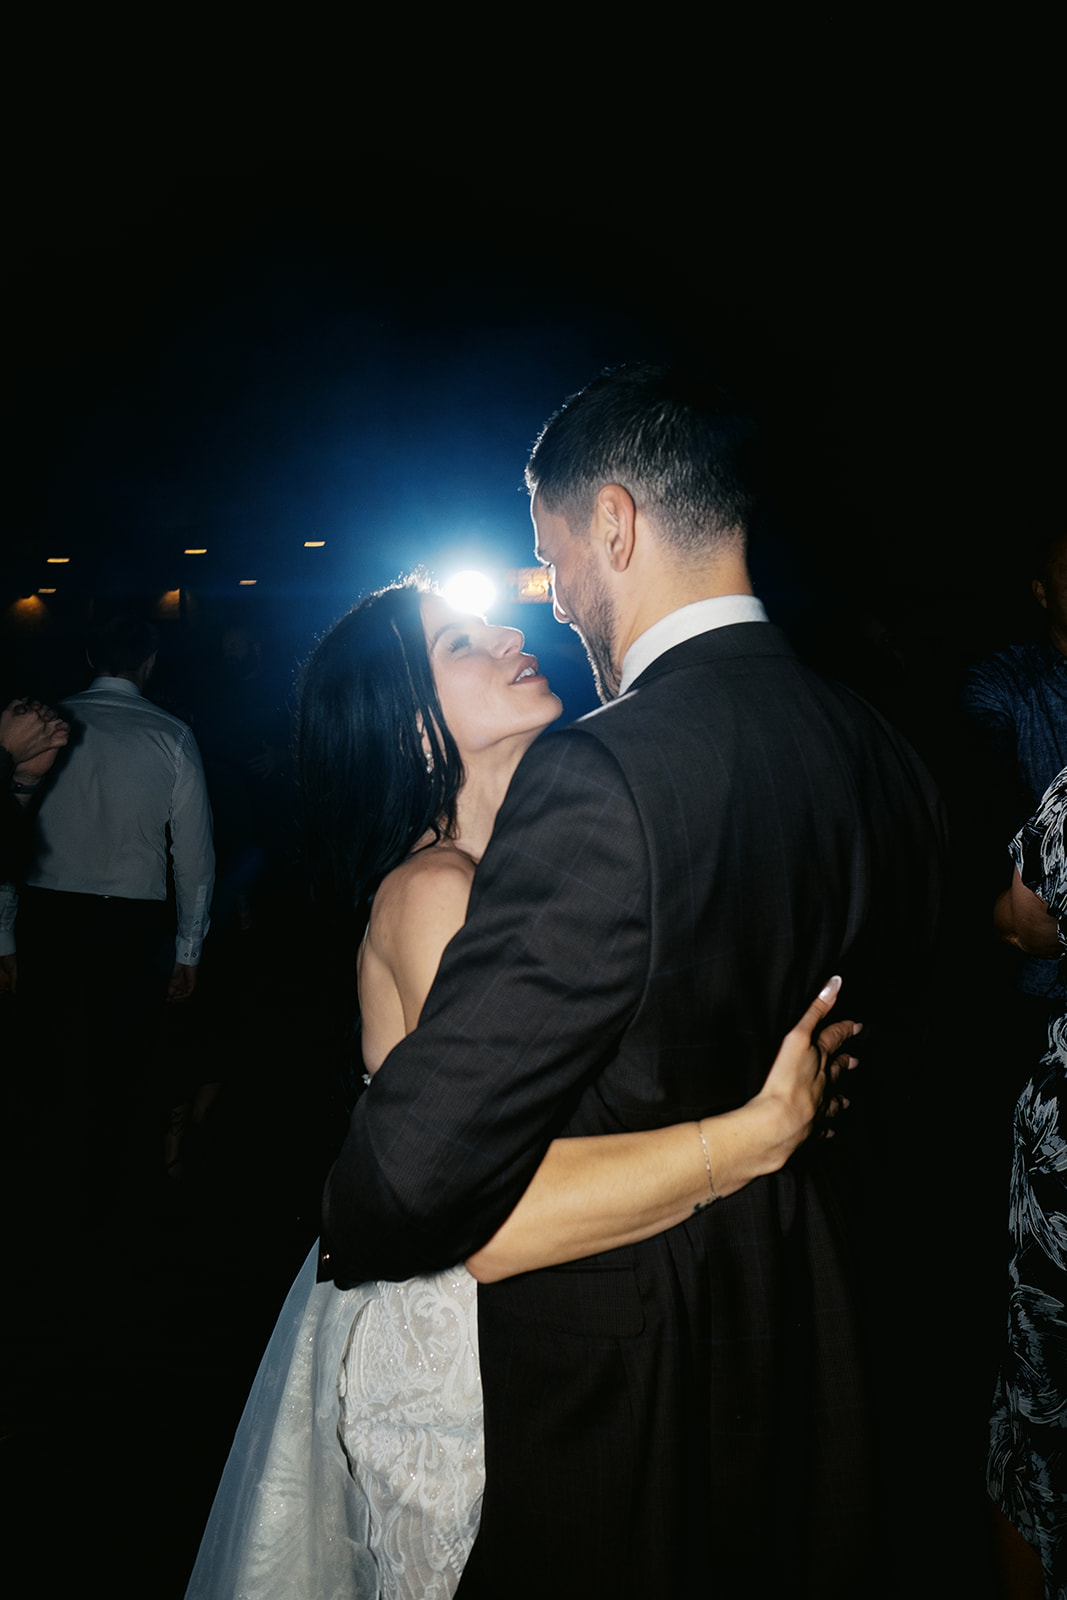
[(356, 1471)]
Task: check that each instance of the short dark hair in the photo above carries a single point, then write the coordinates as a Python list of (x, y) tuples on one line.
[(681, 446), (368, 792), (122, 644)]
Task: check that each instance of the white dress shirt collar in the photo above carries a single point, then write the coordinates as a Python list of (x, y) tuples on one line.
[(677, 626), (114, 685)]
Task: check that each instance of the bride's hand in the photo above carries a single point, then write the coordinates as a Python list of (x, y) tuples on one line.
[(803, 1087)]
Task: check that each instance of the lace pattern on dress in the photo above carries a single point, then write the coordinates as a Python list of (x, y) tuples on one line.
[(411, 1424)]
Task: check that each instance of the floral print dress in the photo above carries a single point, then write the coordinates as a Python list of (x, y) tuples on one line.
[(1027, 1474)]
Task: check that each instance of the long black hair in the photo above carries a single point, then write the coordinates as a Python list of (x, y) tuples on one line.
[(369, 790)]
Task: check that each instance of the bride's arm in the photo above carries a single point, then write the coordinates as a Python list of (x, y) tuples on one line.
[(593, 1194)]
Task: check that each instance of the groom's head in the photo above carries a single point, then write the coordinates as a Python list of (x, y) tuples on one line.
[(643, 488)]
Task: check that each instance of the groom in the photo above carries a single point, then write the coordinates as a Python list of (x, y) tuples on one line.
[(669, 882)]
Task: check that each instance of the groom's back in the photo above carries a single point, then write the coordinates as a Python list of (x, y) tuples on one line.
[(791, 834), (701, 1396)]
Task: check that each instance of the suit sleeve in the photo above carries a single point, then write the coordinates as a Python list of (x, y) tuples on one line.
[(530, 1001)]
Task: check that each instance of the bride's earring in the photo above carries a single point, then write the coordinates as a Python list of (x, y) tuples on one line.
[(427, 747)]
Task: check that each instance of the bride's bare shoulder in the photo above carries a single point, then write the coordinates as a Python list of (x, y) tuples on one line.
[(431, 886), (417, 910)]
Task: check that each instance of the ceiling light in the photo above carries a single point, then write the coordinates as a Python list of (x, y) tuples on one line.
[(530, 584)]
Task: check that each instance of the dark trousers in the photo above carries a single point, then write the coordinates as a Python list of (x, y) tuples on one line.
[(93, 974)]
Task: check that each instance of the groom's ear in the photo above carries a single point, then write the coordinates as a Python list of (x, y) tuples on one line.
[(614, 525)]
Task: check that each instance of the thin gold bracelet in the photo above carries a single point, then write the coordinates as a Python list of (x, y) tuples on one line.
[(707, 1163)]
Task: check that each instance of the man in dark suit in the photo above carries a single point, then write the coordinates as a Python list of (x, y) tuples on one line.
[(668, 883)]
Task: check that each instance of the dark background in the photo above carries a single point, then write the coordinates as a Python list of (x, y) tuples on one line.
[(256, 305), (268, 283)]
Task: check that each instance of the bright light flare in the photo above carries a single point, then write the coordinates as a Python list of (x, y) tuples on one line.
[(470, 592)]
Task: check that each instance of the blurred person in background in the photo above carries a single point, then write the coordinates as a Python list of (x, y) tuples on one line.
[(126, 812)]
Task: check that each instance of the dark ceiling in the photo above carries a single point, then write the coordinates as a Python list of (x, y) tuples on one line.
[(239, 345)]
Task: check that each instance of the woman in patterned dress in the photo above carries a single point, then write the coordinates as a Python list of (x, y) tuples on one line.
[(1028, 1450)]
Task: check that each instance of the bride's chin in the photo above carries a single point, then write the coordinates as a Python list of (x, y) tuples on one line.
[(552, 713), (529, 736)]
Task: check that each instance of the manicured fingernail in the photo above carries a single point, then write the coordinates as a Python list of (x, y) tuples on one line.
[(830, 989)]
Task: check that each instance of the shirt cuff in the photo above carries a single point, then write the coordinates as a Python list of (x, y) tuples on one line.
[(192, 928), (9, 904)]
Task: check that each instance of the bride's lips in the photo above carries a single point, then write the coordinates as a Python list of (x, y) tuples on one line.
[(528, 662)]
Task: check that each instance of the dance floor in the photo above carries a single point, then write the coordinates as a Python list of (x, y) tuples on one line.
[(137, 1315), (136, 1320)]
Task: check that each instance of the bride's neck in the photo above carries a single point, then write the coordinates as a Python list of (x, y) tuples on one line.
[(484, 787)]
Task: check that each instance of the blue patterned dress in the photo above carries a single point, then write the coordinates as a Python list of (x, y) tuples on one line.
[(1028, 1449)]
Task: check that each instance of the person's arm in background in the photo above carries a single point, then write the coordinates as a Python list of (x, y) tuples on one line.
[(193, 859), (11, 824), (31, 736), (1023, 919), (9, 904), (1025, 916)]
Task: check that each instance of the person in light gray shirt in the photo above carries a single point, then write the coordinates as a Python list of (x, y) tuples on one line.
[(129, 796), (125, 807)]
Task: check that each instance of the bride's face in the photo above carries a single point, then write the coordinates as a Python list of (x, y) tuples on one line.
[(491, 693)]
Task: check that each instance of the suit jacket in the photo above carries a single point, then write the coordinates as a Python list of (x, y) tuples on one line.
[(669, 882)]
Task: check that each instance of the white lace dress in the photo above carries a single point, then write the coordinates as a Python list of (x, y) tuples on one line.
[(356, 1471)]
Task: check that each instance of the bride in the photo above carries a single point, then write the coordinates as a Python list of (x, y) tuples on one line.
[(356, 1471)]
